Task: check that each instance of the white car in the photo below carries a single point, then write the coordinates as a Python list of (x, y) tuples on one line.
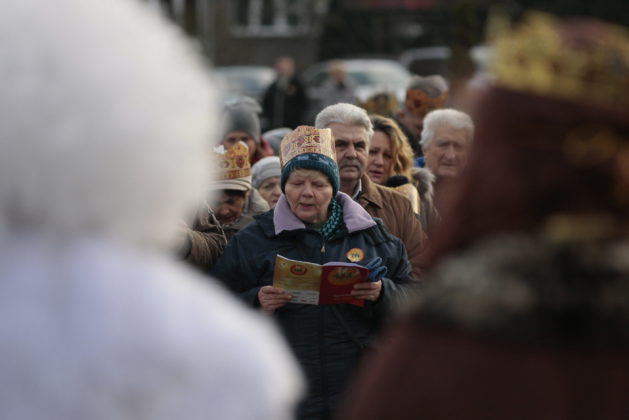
[(244, 80), (369, 76)]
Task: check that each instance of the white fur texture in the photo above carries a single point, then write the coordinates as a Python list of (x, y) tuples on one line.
[(107, 120), (106, 124), (88, 331)]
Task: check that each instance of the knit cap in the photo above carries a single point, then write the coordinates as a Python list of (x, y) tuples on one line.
[(242, 115), (265, 168)]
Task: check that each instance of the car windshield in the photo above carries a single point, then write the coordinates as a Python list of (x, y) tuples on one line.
[(363, 73), (378, 77)]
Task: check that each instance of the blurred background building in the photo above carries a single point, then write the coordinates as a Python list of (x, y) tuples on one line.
[(242, 38)]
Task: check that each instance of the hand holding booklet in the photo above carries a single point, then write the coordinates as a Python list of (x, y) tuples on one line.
[(317, 284)]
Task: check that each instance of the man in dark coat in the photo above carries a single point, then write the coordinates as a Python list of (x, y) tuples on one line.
[(285, 100)]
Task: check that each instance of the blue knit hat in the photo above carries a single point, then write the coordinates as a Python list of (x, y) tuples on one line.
[(316, 162), (309, 148)]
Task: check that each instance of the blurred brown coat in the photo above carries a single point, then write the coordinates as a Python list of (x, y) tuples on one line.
[(206, 241), (396, 212)]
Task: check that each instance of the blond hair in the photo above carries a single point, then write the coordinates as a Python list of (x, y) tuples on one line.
[(401, 152)]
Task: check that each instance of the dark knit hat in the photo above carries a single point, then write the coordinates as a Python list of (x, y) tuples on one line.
[(316, 162), (309, 148)]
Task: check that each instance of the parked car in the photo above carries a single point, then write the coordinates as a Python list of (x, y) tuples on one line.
[(436, 59), (245, 80), (369, 76)]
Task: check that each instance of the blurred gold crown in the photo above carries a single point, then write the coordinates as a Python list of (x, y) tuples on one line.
[(306, 139), (233, 163), (578, 59), (381, 103), (420, 104)]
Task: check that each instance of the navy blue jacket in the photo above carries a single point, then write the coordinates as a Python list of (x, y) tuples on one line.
[(322, 345)]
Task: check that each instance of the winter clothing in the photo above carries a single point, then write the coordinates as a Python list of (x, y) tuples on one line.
[(424, 180), (526, 313), (237, 226), (317, 162), (205, 241), (242, 116), (274, 137), (255, 204), (106, 114), (323, 346), (309, 148), (335, 221), (397, 215), (264, 169), (284, 103), (516, 328), (333, 92)]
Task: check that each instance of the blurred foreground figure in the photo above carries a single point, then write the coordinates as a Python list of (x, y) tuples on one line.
[(526, 315), (105, 116)]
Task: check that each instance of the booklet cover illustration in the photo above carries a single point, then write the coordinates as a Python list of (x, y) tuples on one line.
[(317, 284)]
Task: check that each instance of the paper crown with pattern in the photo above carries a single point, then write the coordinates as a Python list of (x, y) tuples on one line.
[(232, 163), (419, 103), (582, 60), (305, 139)]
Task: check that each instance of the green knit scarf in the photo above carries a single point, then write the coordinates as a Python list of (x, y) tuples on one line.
[(335, 221)]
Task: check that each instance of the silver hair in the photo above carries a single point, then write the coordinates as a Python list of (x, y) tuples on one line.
[(344, 113), (445, 117), (433, 85)]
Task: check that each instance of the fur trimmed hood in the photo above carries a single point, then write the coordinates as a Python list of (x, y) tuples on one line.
[(424, 180), (526, 288)]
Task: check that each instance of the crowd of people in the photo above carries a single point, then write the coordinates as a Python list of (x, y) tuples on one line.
[(142, 224)]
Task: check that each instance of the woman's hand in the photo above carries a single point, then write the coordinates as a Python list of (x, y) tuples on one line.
[(367, 290), (272, 298)]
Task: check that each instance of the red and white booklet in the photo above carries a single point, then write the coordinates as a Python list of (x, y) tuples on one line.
[(317, 284)]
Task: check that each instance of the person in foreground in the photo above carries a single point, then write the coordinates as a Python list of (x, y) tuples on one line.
[(525, 315), (314, 222), (98, 320)]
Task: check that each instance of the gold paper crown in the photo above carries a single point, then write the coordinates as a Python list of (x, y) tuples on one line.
[(381, 103), (234, 163), (420, 104), (586, 61), (306, 139)]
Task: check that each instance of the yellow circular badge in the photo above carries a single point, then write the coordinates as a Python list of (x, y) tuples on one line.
[(355, 254)]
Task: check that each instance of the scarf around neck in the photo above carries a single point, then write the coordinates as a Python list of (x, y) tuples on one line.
[(334, 222)]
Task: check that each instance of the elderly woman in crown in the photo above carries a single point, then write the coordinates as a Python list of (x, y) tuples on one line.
[(313, 222)]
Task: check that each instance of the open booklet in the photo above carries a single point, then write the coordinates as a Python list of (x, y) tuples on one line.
[(317, 284)]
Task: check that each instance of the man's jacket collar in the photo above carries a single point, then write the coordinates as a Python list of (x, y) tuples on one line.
[(370, 193)]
